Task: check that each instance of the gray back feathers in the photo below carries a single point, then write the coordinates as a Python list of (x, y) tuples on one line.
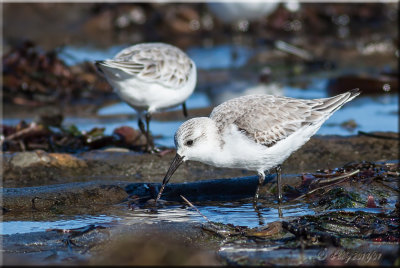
[(154, 62), (268, 119)]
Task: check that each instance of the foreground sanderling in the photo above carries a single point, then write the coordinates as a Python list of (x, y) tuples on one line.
[(151, 77), (255, 132)]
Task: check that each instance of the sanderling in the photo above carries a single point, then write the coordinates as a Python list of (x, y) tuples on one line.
[(242, 13), (151, 77), (235, 12), (254, 132)]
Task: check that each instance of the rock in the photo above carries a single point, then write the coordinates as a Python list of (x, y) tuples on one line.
[(29, 159), (272, 229), (66, 161), (130, 135), (63, 196), (371, 202), (366, 83), (26, 159)]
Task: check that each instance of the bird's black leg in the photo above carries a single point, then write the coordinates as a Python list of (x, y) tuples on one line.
[(261, 178), (141, 126), (261, 221), (144, 132), (150, 143), (185, 113), (278, 180)]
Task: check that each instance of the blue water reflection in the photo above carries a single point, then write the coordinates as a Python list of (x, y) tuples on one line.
[(74, 55), (15, 227), (220, 57)]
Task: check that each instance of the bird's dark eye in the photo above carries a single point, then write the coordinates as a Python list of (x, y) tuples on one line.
[(189, 143)]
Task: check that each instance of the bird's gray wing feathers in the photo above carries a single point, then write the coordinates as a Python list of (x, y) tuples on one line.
[(153, 62), (268, 119)]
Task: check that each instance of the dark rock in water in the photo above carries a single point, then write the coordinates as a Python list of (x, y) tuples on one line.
[(232, 189), (63, 196), (371, 202), (367, 84), (130, 135), (273, 229)]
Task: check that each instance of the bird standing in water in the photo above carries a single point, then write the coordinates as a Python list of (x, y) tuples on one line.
[(254, 132), (151, 77)]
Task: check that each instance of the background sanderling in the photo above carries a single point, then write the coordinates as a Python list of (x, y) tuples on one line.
[(151, 77)]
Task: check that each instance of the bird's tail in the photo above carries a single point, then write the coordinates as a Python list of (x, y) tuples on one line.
[(330, 105)]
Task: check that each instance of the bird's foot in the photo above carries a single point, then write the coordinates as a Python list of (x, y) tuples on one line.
[(255, 201)]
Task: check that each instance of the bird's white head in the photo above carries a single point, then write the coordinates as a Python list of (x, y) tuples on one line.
[(196, 139)]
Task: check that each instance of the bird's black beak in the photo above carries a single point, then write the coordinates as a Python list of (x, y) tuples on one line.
[(178, 160)]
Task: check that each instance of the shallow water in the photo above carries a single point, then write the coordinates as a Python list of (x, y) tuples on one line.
[(236, 213), (65, 222)]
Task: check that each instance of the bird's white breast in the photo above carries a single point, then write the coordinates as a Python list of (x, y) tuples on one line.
[(239, 151)]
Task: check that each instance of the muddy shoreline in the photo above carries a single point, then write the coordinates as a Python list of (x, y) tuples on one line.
[(23, 169)]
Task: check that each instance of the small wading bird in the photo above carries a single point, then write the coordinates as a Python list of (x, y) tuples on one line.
[(240, 14), (151, 77), (254, 132)]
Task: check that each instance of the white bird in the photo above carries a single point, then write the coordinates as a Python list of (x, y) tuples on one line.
[(255, 132), (230, 12), (241, 13), (151, 77)]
